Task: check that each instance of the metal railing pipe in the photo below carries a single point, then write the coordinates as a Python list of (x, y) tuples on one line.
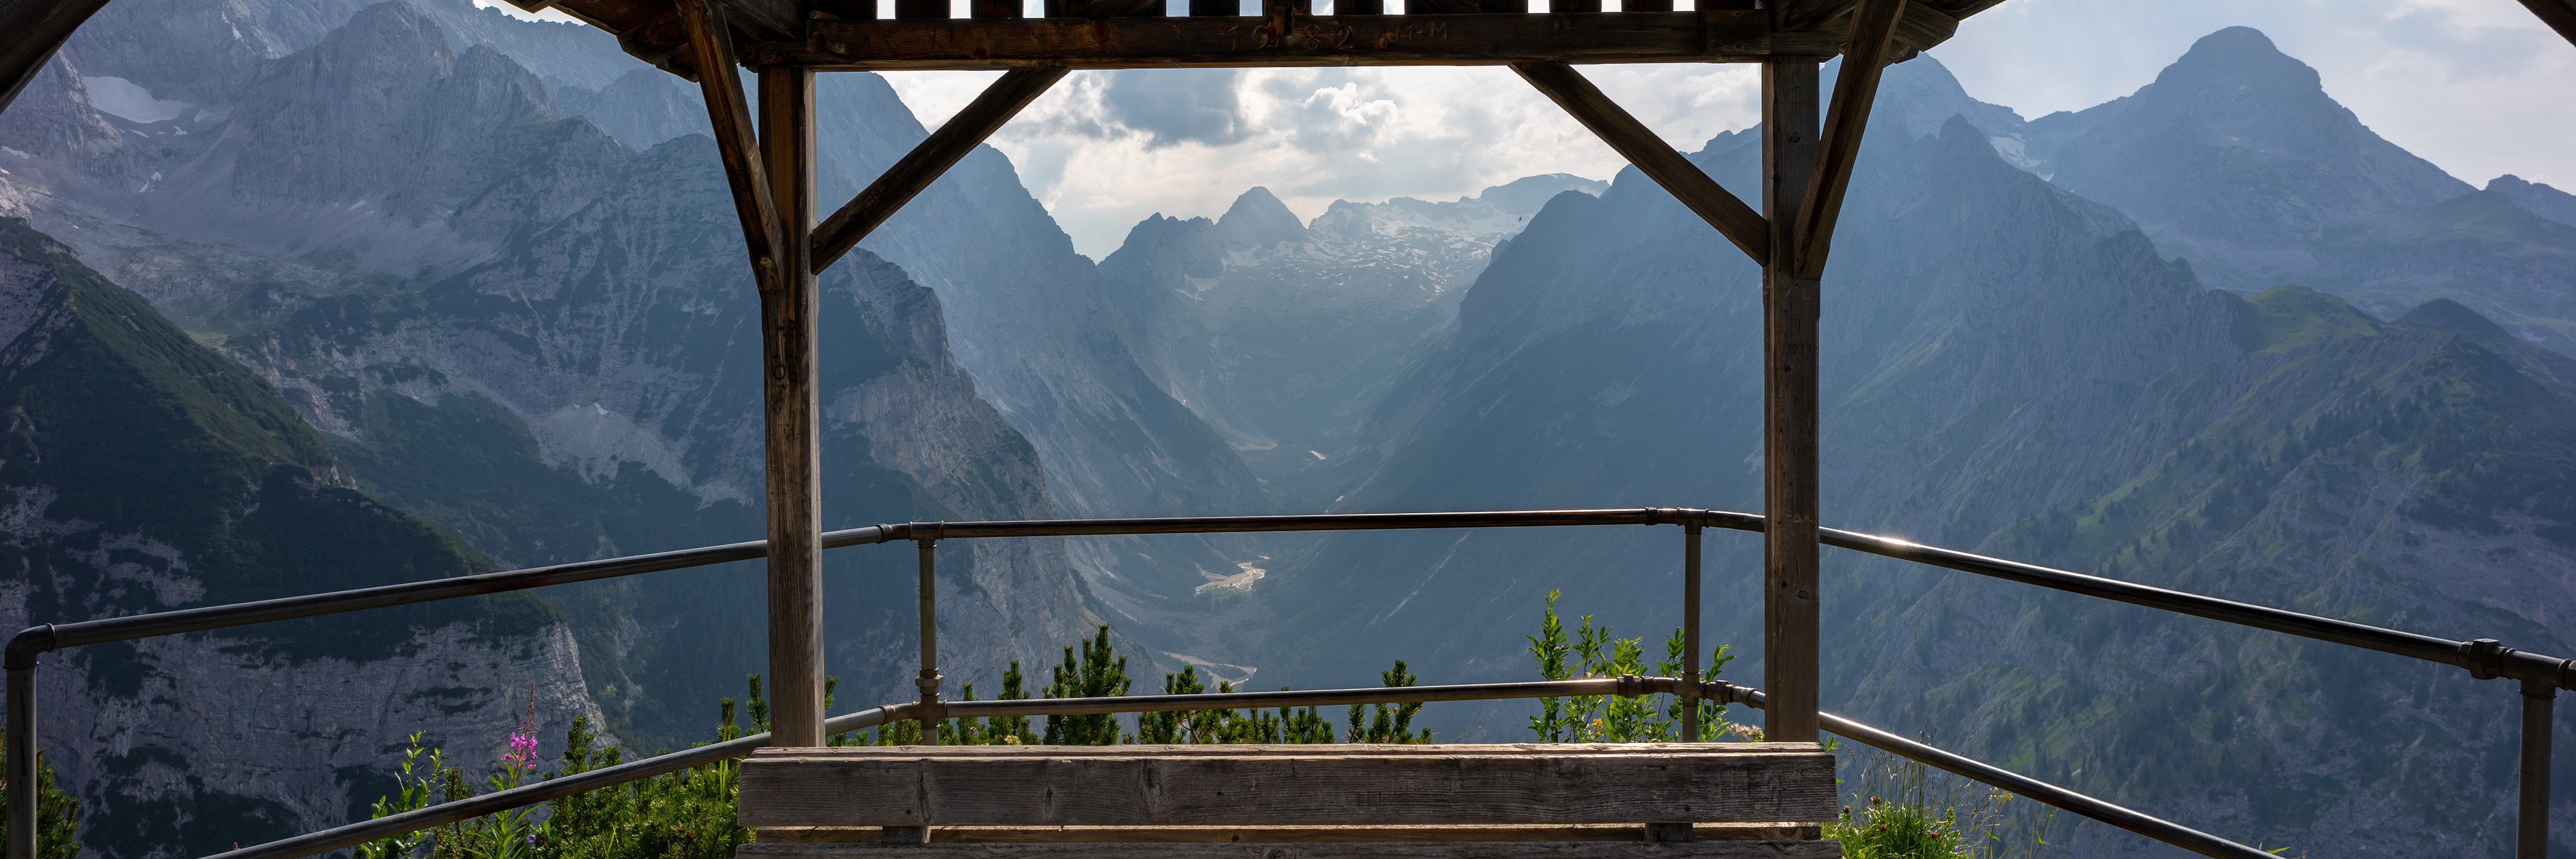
[(314, 605), (928, 603), (2486, 661), (342, 837), (24, 791), (2017, 784), (1311, 522), (2531, 816)]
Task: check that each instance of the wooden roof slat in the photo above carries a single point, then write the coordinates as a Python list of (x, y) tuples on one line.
[(1342, 40)]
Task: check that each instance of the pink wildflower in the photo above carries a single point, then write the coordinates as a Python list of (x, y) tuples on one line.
[(522, 753)]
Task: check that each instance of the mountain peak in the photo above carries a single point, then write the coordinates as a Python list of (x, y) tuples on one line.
[(1258, 219), (2536, 197), (2241, 55)]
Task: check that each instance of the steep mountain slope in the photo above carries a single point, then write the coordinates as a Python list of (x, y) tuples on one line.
[(525, 330), (2236, 160), (494, 160), (143, 472), (2013, 367)]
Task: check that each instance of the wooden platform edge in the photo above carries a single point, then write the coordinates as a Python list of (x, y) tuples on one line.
[(1785, 831), (1377, 850)]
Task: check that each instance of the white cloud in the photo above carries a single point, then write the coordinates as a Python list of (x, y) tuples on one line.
[(2477, 86), (1106, 149)]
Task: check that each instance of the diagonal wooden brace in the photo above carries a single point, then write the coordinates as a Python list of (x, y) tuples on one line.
[(1855, 90), (927, 161), (1653, 157), (711, 46)]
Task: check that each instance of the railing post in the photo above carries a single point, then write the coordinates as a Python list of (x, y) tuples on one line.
[(792, 415), (1690, 633), (2531, 824), (23, 787), (931, 717), (1790, 307)]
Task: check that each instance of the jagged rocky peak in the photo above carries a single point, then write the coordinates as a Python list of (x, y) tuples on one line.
[(2536, 198), (1259, 221)]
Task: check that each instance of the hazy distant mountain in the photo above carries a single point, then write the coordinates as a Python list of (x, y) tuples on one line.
[(143, 472), (2009, 366), (2236, 160), (1278, 332)]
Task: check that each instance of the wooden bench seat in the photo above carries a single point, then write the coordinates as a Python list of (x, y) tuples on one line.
[(1291, 801)]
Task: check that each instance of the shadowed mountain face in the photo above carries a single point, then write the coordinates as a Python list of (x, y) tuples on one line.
[(524, 330), (2017, 368), (143, 472)]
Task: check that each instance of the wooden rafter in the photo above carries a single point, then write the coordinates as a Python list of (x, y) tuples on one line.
[(711, 46), (1855, 90), (2560, 15), (928, 160), (1733, 219)]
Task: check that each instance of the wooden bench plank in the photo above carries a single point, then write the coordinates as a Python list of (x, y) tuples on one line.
[(1389, 850), (1286, 786), (1284, 834)]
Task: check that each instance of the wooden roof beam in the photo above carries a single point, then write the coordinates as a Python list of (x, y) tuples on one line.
[(929, 160), (1855, 90), (35, 28), (1325, 40), (2560, 15), (730, 118), (1733, 219)]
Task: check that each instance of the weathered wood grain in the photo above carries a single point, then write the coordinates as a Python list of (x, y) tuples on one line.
[(1790, 403), (1653, 157), (1062, 787), (1323, 40), (1287, 834), (791, 416), (1855, 90), (1384, 850)]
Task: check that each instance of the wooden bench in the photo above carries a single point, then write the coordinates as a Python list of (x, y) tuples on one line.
[(1291, 801)]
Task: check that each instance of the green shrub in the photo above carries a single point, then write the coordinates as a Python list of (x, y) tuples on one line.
[(57, 813)]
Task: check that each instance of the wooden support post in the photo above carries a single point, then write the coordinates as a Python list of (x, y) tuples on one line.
[(1653, 157), (1790, 406), (1855, 90), (711, 46), (792, 417)]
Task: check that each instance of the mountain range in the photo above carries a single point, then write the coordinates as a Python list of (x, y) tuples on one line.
[(474, 276)]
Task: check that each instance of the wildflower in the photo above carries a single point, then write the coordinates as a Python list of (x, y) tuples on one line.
[(522, 753)]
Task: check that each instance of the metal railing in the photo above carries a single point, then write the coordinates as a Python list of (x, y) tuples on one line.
[(2540, 676)]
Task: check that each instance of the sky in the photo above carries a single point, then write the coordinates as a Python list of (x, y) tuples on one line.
[(2478, 87)]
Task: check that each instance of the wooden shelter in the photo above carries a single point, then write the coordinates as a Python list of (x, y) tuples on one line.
[(1682, 800)]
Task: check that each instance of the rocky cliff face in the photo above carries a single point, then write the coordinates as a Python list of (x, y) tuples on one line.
[(534, 334), (142, 472)]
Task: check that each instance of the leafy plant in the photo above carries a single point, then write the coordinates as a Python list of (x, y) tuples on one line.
[(1595, 651)]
